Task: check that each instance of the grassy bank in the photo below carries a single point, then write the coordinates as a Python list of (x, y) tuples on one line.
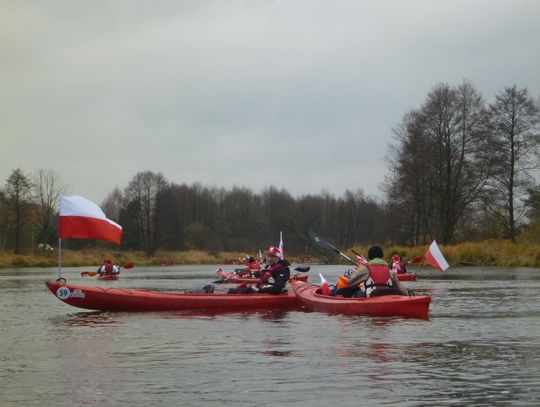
[(487, 253), (71, 258)]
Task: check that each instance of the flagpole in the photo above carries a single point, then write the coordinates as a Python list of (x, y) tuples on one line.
[(59, 257)]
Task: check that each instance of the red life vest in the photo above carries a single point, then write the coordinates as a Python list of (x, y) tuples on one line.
[(379, 277), (255, 266), (108, 268)]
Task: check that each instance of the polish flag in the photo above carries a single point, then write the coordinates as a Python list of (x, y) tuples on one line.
[(325, 288), (83, 219), (435, 258), (361, 259), (281, 252)]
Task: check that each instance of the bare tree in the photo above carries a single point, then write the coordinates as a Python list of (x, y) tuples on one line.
[(142, 198), (515, 139), (47, 190), (438, 165), (18, 190), (112, 204), (4, 220)]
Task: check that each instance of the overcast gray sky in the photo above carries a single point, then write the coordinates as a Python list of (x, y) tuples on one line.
[(298, 94)]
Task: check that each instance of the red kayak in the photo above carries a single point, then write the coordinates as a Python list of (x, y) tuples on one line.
[(406, 276), (122, 299), (383, 306), (231, 277)]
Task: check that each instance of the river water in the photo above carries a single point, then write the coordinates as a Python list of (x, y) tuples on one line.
[(480, 346)]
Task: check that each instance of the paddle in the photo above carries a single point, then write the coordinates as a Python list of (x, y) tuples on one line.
[(323, 244), (126, 266), (301, 269)]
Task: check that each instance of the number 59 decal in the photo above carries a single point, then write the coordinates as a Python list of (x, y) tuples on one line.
[(63, 293)]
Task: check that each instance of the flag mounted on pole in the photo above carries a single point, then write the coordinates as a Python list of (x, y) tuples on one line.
[(281, 250), (435, 258), (83, 219)]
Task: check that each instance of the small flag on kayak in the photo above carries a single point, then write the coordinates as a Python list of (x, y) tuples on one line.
[(325, 288), (281, 251), (361, 259), (83, 219), (435, 258)]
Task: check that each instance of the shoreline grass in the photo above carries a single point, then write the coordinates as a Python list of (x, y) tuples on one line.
[(486, 253)]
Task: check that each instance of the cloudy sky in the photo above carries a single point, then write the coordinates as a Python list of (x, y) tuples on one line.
[(297, 94)]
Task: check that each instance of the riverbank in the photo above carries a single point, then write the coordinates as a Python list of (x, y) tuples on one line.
[(487, 253), (94, 257)]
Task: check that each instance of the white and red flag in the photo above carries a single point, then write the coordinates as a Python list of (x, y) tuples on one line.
[(435, 258), (83, 219), (325, 287), (281, 249)]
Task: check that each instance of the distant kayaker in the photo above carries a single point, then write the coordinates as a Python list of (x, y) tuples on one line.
[(252, 269), (108, 268), (398, 266), (372, 278), (274, 276)]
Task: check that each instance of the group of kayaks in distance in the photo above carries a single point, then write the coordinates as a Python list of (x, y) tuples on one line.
[(302, 295)]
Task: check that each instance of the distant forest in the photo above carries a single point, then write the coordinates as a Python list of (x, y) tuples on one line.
[(459, 169)]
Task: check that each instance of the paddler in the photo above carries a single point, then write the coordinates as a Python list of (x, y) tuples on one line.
[(253, 268), (274, 276), (398, 266), (108, 268), (370, 278)]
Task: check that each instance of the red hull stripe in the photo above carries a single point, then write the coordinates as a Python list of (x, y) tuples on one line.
[(81, 227)]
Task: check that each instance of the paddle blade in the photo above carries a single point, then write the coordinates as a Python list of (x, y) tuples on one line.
[(319, 241), (302, 269), (88, 273), (128, 265), (417, 260)]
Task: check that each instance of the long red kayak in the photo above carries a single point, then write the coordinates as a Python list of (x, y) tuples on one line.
[(406, 276), (122, 299), (383, 306), (231, 277)]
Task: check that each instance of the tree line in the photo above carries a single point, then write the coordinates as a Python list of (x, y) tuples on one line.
[(459, 170), (463, 169)]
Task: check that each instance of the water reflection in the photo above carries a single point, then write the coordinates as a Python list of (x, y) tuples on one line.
[(84, 319)]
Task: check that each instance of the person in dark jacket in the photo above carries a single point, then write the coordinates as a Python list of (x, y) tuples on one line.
[(274, 276)]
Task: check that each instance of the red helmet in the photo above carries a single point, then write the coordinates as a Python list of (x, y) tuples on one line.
[(273, 250), (395, 258)]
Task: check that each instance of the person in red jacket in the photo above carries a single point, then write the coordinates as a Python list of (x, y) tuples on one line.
[(398, 266), (108, 268), (252, 269)]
